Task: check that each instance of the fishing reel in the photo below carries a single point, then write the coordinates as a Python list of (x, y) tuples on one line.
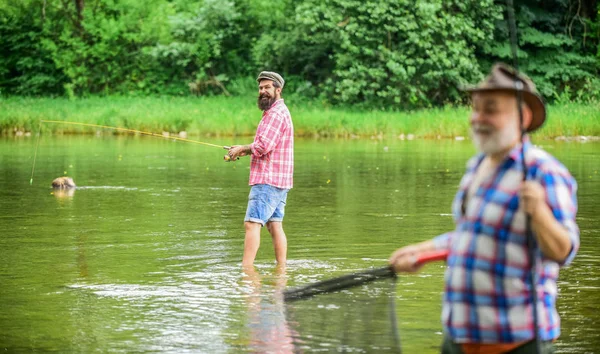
[(228, 158)]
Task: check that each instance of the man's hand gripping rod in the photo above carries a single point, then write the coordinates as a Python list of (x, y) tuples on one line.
[(227, 158)]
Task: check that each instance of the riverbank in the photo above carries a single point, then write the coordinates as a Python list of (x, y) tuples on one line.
[(238, 116)]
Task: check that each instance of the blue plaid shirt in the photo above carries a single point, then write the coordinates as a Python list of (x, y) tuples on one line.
[(487, 295)]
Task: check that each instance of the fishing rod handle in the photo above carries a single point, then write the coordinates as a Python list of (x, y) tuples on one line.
[(227, 158)]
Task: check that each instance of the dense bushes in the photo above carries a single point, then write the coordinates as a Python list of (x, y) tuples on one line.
[(378, 54)]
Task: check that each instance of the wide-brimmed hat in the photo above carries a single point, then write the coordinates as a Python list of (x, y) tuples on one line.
[(273, 76), (506, 78)]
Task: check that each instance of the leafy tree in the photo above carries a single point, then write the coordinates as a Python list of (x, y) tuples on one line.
[(392, 54), (371, 53), (26, 66), (551, 48), (99, 47), (197, 44)]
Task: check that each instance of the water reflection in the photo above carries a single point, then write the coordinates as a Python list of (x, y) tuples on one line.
[(82, 263), (146, 259), (268, 327), (63, 194)]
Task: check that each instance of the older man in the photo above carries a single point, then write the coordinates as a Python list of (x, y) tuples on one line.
[(271, 169), (488, 302)]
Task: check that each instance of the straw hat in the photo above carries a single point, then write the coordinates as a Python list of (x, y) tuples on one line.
[(506, 78)]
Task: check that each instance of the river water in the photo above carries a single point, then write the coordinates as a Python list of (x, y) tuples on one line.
[(145, 255)]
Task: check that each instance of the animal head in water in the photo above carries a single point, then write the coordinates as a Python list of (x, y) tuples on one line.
[(63, 183)]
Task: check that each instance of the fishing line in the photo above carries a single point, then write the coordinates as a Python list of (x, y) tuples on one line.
[(113, 128), (37, 144), (512, 24), (130, 130)]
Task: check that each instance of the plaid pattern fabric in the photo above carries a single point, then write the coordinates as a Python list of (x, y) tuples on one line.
[(273, 148), (487, 294)]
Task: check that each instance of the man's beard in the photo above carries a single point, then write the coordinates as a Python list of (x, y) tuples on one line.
[(490, 140), (265, 101)]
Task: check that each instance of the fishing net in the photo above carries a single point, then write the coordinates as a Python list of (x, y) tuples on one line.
[(361, 318)]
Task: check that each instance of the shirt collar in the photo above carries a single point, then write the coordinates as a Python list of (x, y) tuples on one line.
[(275, 104), (515, 153)]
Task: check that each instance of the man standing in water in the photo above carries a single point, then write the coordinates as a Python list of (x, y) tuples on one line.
[(487, 304), (271, 169)]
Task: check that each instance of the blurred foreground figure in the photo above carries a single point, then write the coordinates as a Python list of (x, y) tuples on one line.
[(488, 297)]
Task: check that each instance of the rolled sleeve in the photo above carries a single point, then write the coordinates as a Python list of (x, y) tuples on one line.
[(442, 242), (268, 135), (574, 237)]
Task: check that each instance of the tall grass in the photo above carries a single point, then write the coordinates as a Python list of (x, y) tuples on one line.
[(227, 116)]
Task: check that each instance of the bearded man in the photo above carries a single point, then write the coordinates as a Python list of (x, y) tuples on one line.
[(488, 298), (271, 169)]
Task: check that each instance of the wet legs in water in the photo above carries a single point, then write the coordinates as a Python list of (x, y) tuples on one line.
[(252, 241)]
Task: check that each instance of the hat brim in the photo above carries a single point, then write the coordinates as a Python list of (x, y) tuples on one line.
[(534, 102)]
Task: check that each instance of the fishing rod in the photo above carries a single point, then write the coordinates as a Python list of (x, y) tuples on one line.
[(227, 158), (512, 24)]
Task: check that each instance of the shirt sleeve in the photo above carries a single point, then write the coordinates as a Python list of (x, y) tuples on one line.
[(442, 242), (268, 134), (561, 196)]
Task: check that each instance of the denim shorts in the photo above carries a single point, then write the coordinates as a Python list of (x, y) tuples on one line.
[(266, 203)]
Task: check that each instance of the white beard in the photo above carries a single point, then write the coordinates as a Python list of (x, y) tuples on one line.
[(492, 141)]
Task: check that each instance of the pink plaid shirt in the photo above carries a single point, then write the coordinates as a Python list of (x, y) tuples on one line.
[(273, 148)]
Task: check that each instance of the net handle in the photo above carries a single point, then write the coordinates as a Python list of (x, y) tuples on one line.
[(338, 283), (355, 279), (432, 256)]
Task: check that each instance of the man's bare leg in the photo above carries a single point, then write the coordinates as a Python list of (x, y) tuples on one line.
[(251, 242), (279, 241)]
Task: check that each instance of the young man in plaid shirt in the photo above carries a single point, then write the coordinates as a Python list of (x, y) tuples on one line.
[(488, 305), (271, 169)]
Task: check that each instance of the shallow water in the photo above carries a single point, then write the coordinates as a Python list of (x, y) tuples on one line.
[(145, 255)]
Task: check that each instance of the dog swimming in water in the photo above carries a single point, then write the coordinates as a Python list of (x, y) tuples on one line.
[(63, 183)]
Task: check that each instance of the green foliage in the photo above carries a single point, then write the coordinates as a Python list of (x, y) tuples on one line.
[(595, 31), (197, 43), (551, 49), (238, 116), (383, 54), (367, 53), (26, 67), (102, 54)]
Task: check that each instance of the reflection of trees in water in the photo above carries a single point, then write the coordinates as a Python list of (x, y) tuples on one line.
[(82, 265), (269, 331), (64, 196)]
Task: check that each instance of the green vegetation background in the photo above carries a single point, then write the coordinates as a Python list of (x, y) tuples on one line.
[(351, 66), (226, 116)]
